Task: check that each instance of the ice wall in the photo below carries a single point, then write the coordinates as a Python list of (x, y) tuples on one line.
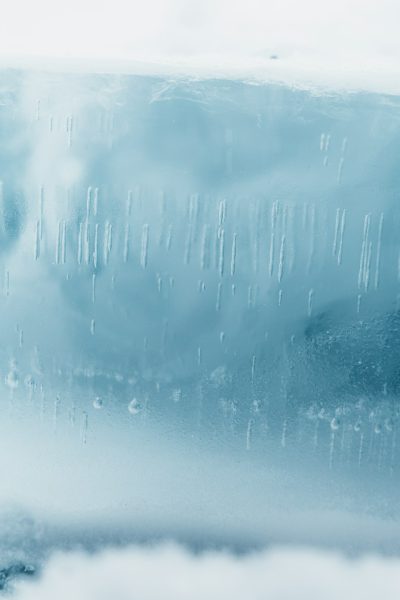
[(200, 319)]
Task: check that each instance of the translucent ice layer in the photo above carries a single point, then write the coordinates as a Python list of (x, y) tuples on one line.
[(199, 309)]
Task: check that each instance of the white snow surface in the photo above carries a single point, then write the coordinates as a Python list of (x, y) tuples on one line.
[(169, 572), (346, 44)]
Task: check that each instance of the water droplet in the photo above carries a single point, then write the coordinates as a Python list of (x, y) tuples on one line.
[(322, 414), (134, 406), (12, 378), (389, 424), (98, 403), (85, 425), (335, 424)]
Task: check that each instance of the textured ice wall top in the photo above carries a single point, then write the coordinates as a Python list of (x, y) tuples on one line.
[(200, 324), (346, 44)]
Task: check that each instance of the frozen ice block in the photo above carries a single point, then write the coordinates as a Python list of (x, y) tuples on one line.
[(200, 309)]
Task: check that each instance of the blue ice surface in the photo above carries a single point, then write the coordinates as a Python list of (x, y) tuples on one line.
[(200, 309)]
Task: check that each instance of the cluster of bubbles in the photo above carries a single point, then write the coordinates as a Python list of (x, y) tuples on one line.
[(356, 416)]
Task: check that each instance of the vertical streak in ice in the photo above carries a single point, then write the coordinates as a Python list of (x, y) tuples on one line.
[(195, 212), (58, 242), (292, 236), (86, 243), (342, 226), (218, 302), (80, 236), (221, 213), (331, 449), (107, 241), (221, 261), (169, 239), (144, 246), (250, 296), (340, 169), (368, 267), (126, 243), (96, 201), (96, 245), (358, 303), (21, 341), (272, 242), (204, 256), (378, 252), (188, 246), (85, 425), (233, 255), (249, 433), (37, 241), (336, 235), (364, 251), (129, 204), (310, 301), (327, 142), (70, 124), (281, 258), (253, 368), (88, 201)]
